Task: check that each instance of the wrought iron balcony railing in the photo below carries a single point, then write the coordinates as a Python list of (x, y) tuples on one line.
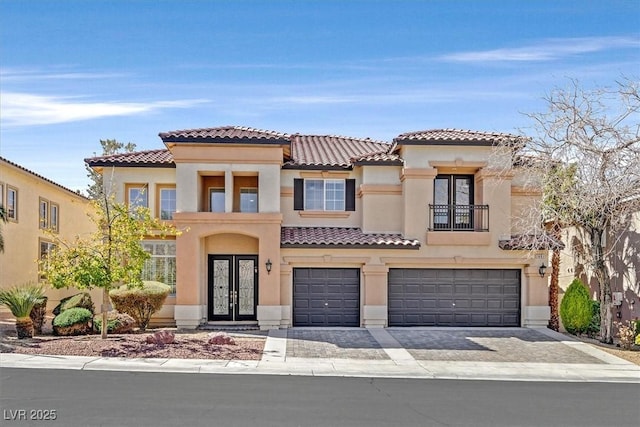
[(458, 217)]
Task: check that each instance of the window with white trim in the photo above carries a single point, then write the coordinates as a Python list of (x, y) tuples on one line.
[(167, 196), (324, 194), (161, 267)]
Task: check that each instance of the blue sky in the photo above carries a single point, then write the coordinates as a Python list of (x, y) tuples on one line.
[(75, 72)]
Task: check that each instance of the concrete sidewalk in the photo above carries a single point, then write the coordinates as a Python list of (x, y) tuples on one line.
[(381, 354)]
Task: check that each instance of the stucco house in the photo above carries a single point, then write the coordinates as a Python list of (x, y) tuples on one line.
[(286, 230), (35, 206), (622, 250)]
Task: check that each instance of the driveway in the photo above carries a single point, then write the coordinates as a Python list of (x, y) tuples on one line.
[(436, 344)]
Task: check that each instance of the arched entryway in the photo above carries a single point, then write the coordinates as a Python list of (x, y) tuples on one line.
[(232, 277)]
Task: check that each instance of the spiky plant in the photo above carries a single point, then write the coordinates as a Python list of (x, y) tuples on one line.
[(20, 301)]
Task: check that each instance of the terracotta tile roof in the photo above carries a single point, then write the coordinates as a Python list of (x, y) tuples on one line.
[(531, 242), (378, 159), (226, 134), (332, 150), (455, 136), (157, 158), (342, 237)]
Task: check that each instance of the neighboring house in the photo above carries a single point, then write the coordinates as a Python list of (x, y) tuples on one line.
[(623, 261), (288, 230), (34, 205)]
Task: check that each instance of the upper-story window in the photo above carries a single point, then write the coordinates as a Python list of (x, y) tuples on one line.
[(136, 196), (54, 216), (248, 199), (454, 208), (44, 213), (324, 194), (48, 215), (166, 200), (12, 203), (216, 199)]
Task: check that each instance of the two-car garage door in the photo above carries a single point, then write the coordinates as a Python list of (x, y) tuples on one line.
[(416, 297), (454, 297)]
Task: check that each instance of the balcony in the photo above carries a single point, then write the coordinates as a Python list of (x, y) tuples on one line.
[(459, 218)]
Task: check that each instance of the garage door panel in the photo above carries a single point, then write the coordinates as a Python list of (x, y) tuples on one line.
[(483, 297), (326, 297)]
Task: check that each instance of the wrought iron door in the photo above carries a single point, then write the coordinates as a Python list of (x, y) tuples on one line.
[(233, 285)]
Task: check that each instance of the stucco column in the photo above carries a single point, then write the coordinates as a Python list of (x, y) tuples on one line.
[(189, 306), (536, 311), (269, 300), (374, 311), (417, 190), (286, 293)]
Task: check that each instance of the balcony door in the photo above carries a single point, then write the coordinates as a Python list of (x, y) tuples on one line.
[(453, 200), (233, 286)]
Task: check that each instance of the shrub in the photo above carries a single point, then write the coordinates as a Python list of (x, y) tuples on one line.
[(576, 308), (140, 303), (20, 301), (82, 300), (626, 335), (594, 325), (117, 323), (74, 321)]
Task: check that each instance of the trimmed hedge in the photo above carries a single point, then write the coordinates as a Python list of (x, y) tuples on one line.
[(117, 323), (140, 303), (576, 308), (74, 321)]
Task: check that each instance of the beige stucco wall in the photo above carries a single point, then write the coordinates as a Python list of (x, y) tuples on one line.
[(18, 263)]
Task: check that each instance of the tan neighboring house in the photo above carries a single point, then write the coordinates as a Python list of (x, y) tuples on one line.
[(623, 262), (287, 230), (35, 204)]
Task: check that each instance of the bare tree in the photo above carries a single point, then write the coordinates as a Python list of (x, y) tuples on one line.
[(586, 148)]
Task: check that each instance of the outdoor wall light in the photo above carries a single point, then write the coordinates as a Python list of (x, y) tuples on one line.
[(268, 265), (542, 270)]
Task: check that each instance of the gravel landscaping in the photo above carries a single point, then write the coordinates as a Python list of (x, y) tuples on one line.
[(186, 345)]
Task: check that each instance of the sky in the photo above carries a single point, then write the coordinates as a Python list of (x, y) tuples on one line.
[(75, 72)]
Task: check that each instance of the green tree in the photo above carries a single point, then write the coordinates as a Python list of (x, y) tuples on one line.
[(111, 257), (595, 132), (109, 147)]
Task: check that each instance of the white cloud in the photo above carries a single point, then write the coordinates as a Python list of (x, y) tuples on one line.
[(547, 50), (24, 109)]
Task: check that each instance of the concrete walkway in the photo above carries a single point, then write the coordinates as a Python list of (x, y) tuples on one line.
[(512, 354)]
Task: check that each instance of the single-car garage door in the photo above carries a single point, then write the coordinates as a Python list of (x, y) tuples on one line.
[(454, 297), (326, 297)]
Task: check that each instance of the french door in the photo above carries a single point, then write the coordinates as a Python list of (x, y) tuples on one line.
[(453, 198), (233, 287)]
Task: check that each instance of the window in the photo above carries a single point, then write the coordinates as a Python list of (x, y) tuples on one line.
[(161, 267), (167, 201), (453, 200), (136, 195), (324, 194), (45, 249), (249, 199), (44, 214), (54, 217), (216, 199), (12, 203)]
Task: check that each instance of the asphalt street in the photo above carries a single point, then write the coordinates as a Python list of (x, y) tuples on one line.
[(109, 398)]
